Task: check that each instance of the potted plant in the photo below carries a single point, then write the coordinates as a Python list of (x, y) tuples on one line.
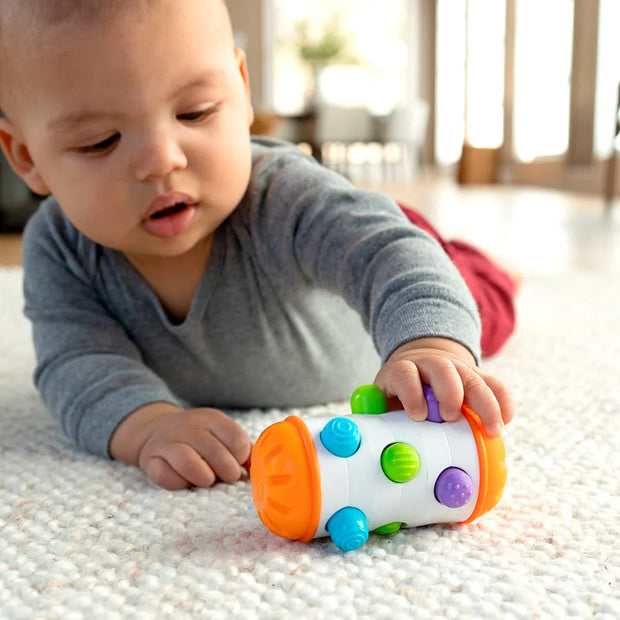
[(329, 47)]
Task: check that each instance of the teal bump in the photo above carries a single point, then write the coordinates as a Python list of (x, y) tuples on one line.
[(348, 528), (341, 436)]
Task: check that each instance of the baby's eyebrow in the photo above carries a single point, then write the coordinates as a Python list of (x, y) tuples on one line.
[(67, 121), (207, 78), (72, 119)]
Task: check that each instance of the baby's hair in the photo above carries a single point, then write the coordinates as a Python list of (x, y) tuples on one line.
[(58, 11), (23, 19), (21, 22)]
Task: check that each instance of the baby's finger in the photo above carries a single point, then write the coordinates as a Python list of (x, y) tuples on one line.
[(443, 377), (230, 435), (162, 474), (187, 463), (401, 379), (248, 462), (502, 395), (226, 467), (480, 397)]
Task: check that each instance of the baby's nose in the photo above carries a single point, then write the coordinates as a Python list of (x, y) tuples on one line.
[(158, 157)]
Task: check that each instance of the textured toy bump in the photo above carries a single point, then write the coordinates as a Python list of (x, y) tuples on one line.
[(374, 471)]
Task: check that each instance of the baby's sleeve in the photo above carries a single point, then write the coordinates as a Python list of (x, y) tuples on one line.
[(89, 373), (361, 245)]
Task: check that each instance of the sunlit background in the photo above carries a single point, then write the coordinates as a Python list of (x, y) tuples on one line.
[(470, 77), (521, 92), (373, 69)]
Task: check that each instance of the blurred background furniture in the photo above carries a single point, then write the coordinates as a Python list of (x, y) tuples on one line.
[(17, 202), (337, 129), (404, 131), (353, 139), (610, 178)]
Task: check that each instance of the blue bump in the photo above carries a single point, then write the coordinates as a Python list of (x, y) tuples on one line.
[(341, 436), (348, 528)]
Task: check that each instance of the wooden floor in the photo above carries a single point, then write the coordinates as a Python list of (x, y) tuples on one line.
[(537, 230), (10, 249)]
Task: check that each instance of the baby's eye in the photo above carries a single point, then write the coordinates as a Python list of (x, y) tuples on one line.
[(102, 146), (198, 115)]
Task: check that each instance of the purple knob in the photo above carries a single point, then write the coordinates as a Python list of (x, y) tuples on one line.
[(433, 405), (454, 487)]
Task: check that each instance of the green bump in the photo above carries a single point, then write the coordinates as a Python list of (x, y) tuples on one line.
[(368, 399), (389, 528), (400, 462)]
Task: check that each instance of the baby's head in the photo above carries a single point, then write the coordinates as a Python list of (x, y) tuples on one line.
[(120, 107)]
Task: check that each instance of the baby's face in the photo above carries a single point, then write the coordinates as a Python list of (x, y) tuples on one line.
[(140, 126)]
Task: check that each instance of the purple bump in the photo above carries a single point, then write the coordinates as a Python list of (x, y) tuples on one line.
[(454, 487), (433, 405)]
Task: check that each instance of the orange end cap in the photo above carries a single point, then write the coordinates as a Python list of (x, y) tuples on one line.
[(492, 459), (285, 480)]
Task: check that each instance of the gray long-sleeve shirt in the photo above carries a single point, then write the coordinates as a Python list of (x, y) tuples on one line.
[(310, 284)]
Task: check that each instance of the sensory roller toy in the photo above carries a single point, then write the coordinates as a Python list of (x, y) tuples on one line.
[(374, 471)]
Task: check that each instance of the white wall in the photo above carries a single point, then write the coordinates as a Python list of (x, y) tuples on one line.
[(251, 20)]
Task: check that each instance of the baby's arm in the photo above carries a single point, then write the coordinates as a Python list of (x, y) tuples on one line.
[(179, 448), (450, 369), (92, 375), (411, 297)]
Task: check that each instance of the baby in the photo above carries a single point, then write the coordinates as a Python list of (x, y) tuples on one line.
[(180, 267)]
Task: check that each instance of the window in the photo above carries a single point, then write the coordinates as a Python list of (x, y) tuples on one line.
[(543, 57), (470, 75), (484, 112), (450, 80), (607, 76)]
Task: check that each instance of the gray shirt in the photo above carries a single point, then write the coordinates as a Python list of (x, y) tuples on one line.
[(310, 285)]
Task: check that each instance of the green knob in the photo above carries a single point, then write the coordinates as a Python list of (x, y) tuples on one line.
[(368, 399), (400, 462), (389, 528)]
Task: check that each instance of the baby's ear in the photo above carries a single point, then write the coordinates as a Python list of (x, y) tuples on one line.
[(245, 76), (18, 156)]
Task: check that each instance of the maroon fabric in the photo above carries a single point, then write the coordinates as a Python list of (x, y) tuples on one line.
[(492, 288)]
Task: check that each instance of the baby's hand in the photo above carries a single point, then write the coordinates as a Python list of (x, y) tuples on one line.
[(450, 369), (181, 448)]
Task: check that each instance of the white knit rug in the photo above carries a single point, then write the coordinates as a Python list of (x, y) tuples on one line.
[(84, 538)]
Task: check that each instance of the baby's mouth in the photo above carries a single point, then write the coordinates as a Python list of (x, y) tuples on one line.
[(171, 219), (173, 210)]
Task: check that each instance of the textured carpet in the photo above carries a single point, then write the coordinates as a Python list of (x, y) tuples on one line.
[(84, 538)]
